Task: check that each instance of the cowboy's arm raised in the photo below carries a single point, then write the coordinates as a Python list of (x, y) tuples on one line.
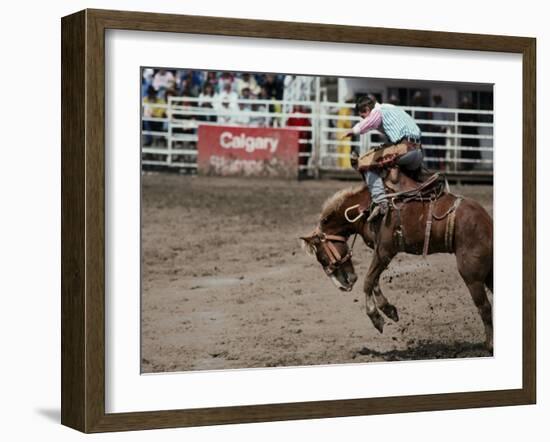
[(372, 122)]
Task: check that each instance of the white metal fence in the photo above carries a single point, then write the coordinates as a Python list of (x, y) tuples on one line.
[(454, 140)]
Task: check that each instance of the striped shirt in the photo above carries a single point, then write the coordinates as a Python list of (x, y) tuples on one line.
[(393, 121)]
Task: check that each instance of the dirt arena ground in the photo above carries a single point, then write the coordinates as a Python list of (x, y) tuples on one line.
[(226, 284)]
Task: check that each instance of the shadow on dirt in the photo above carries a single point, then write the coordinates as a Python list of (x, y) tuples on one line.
[(428, 350)]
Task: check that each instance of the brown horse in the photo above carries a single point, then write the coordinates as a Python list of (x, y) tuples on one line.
[(403, 229)]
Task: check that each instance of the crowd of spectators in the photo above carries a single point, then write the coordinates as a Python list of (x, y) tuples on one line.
[(194, 83), (217, 97), (220, 93), (222, 97)]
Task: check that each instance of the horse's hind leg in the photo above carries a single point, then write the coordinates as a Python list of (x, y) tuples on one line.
[(479, 295), (474, 258), (383, 304), (475, 273)]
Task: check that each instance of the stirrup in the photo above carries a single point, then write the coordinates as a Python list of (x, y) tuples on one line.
[(376, 212)]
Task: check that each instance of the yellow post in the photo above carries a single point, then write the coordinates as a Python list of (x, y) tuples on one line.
[(344, 146)]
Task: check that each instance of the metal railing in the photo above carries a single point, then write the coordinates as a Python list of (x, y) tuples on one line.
[(454, 140), (176, 144)]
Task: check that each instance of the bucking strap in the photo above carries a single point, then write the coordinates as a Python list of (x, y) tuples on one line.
[(450, 226), (450, 214)]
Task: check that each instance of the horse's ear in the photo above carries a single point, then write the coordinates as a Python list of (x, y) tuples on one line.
[(309, 238), (308, 243)]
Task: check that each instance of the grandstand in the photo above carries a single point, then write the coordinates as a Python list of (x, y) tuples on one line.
[(456, 119)]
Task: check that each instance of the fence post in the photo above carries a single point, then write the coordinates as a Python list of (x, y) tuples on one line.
[(456, 151), (169, 136), (448, 148), (316, 127)]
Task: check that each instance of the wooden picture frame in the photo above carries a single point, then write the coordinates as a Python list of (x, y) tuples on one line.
[(83, 220)]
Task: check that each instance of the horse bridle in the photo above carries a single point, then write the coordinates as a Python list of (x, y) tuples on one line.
[(336, 260)]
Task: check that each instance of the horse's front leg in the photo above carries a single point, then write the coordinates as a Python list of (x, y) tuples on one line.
[(370, 305), (383, 304), (377, 266)]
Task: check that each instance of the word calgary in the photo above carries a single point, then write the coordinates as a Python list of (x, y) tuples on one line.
[(249, 144)]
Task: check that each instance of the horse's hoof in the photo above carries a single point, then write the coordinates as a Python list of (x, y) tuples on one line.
[(391, 312), (377, 321)]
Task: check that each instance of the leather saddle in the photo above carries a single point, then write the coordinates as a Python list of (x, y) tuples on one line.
[(423, 185), (418, 181)]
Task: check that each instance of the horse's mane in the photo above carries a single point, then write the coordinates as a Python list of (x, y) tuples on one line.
[(334, 203)]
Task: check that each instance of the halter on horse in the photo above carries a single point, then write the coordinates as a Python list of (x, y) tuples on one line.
[(336, 263)]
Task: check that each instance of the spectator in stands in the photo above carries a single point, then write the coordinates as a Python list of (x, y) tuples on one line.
[(247, 81), (181, 76), (260, 80), (187, 90), (262, 95), (243, 117), (188, 83), (207, 94), (146, 80), (470, 154), (211, 78), (225, 104), (226, 95), (225, 79), (260, 120), (298, 118), (246, 94), (197, 80), (163, 80), (273, 87), (206, 102), (152, 111)]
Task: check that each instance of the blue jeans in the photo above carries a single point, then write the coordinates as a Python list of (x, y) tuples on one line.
[(410, 161)]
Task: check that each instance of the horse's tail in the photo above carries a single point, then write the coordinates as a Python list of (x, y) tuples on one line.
[(489, 280)]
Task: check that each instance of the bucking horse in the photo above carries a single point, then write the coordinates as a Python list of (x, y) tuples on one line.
[(424, 218)]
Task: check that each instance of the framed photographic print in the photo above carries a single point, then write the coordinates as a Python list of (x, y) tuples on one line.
[(267, 221)]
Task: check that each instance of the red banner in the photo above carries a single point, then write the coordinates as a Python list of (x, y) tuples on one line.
[(248, 151)]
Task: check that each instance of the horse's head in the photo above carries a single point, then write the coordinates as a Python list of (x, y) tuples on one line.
[(334, 254), (328, 242)]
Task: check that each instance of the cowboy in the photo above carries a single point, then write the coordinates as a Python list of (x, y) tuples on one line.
[(400, 130)]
